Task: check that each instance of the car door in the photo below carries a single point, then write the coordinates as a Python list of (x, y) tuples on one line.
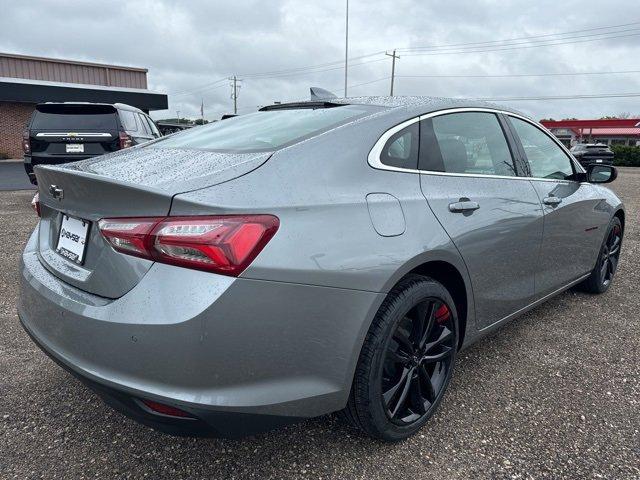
[(575, 214), (494, 218)]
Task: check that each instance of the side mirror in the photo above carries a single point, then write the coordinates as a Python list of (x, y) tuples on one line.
[(601, 173)]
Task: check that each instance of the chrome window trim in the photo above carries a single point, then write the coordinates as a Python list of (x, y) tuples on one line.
[(374, 155)]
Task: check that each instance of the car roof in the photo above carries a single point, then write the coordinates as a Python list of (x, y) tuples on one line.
[(118, 106), (403, 105)]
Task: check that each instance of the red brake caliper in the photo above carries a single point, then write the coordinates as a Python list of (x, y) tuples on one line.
[(442, 314)]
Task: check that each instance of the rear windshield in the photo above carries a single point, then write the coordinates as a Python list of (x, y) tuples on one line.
[(264, 131), (75, 117), (597, 146)]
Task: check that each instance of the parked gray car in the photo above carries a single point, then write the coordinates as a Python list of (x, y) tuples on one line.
[(308, 258)]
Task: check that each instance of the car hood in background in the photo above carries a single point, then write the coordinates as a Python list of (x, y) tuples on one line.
[(171, 170)]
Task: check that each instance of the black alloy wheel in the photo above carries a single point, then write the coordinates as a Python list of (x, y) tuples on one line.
[(417, 361), (610, 255), (601, 277), (406, 361)]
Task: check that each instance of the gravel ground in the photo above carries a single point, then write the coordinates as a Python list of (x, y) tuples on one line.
[(554, 394)]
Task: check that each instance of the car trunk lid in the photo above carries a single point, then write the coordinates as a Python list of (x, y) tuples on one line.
[(133, 183)]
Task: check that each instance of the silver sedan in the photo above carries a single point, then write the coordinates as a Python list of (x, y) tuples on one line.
[(322, 256)]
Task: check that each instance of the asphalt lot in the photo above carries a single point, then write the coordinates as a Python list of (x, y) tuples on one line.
[(13, 176), (554, 394)]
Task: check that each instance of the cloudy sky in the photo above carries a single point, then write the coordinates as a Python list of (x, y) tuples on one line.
[(191, 47)]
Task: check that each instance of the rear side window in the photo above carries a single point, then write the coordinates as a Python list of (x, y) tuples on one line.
[(265, 131), (468, 142), (143, 124), (546, 159), (401, 150), (129, 120), (74, 117)]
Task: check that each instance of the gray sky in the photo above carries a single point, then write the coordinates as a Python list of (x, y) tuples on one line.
[(187, 46)]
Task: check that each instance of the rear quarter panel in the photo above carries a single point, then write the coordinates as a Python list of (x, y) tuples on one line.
[(318, 190)]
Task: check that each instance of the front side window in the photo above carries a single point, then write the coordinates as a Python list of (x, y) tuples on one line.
[(546, 158), (266, 130), (467, 142), (401, 150)]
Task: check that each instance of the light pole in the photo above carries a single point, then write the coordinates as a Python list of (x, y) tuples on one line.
[(346, 49)]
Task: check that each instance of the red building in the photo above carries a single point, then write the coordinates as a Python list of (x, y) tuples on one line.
[(618, 131)]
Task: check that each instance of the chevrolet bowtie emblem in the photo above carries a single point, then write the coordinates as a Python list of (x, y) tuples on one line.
[(56, 192)]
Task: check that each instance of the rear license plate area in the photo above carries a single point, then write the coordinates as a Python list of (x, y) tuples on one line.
[(72, 239), (75, 148)]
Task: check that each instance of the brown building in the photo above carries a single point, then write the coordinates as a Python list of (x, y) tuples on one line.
[(26, 81)]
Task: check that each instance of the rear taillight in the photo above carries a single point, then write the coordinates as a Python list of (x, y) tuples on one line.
[(26, 147), (224, 244), (35, 203), (125, 140)]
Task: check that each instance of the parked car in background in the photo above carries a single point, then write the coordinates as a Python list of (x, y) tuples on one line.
[(70, 131), (592, 153), (309, 258)]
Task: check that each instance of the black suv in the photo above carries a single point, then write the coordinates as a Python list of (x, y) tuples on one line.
[(590, 153), (66, 132)]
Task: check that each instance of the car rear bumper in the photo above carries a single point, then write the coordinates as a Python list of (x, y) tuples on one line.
[(586, 161), (239, 355)]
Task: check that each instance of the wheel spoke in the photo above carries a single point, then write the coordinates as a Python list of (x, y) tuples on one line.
[(613, 265), (444, 336), (615, 244), (423, 319), (447, 351), (406, 384), (417, 398), (389, 394), (397, 356), (426, 380), (403, 342), (603, 270)]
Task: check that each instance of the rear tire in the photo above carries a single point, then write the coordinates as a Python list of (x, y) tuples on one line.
[(602, 275), (406, 361)]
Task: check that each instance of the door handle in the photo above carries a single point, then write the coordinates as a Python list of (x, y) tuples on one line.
[(463, 206), (553, 201)]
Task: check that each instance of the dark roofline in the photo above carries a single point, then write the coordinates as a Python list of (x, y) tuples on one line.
[(12, 90), (73, 62)]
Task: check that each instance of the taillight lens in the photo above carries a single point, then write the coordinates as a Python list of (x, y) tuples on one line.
[(35, 203), (163, 409), (125, 140), (26, 146), (224, 244)]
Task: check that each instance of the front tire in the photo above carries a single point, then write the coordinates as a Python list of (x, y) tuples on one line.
[(602, 275), (406, 361)]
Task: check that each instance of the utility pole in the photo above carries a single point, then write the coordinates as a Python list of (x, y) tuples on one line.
[(346, 49), (234, 93), (393, 67)]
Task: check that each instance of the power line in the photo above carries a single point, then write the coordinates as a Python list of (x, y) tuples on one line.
[(522, 38), (528, 42), (549, 44), (519, 75), (310, 67), (199, 89), (560, 97)]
